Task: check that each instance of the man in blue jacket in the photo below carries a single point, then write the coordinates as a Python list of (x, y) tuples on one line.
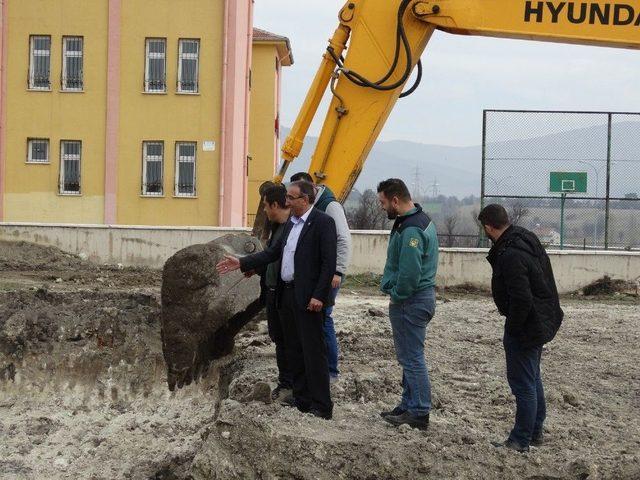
[(409, 279)]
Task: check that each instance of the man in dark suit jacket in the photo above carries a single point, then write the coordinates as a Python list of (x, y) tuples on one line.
[(307, 251)]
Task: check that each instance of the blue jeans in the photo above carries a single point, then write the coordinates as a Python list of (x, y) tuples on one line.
[(330, 337), (409, 321), (523, 374)]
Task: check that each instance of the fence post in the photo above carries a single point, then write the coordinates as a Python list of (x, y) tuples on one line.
[(482, 178), (607, 207), (563, 198)]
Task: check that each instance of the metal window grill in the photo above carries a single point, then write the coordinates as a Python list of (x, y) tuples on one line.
[(70, 156), (185, 169), (155, 71), (40, 63), (72, 63), (188, 60), (38, 150), (521, 151), (152, 169)]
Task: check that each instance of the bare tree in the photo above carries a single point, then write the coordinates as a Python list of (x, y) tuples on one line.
[(368, 215), (517, 212), (450, 223), (474, 216)]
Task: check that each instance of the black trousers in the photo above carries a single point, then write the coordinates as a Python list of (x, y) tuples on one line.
[(307, 354), (276, 333)]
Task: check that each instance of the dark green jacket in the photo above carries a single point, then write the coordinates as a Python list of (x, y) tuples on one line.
[(273, 269), (412, 256)]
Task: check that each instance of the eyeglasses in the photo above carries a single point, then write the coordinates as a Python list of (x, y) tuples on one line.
[(291, 197)]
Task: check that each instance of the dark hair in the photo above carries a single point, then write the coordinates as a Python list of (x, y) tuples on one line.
[(394, 187), (276, 194), (494, 215), (301, 176), (306, 188)]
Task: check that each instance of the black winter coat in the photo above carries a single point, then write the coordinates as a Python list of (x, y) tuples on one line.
[(524, 288)]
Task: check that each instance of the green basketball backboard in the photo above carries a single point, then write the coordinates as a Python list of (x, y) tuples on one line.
[(568, 182)]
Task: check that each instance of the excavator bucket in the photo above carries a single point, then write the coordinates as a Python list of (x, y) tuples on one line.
[(202, 311)]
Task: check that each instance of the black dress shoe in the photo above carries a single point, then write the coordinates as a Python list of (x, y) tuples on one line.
[(421, 422), (538, 440), (280, 393), (396, 411), (511, 445), (290, 401), (321, 414)]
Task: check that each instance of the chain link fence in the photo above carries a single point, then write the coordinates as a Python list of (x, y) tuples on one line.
[(523, 150)]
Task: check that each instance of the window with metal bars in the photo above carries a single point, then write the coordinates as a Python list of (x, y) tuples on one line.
[(155, 78), (38, 150), (70, 157), (152, 167), (188, 58), (40, 62), (185, 183), (72, 63)]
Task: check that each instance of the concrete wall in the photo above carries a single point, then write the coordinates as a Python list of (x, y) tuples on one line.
[(151, 246)]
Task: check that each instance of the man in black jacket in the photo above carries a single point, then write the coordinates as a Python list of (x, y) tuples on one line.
[(525, 292), (307, 252)]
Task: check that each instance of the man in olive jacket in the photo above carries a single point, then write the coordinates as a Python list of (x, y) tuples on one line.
[(524, 290)]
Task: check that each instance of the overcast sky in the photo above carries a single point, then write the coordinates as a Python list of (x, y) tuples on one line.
[(463, 76)]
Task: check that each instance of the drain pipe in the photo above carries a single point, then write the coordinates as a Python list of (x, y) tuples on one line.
[(223, 109)]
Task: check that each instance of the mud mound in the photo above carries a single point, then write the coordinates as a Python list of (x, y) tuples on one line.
[(29, 256), (608, 286), (84, 337), (464, 289), (26, 264)]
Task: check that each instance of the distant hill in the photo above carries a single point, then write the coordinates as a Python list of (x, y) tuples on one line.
[(519, 166)]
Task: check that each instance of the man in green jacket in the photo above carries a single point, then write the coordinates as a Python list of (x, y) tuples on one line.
[(409, 279)]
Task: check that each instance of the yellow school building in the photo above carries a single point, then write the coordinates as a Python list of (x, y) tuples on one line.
[(136, 112)]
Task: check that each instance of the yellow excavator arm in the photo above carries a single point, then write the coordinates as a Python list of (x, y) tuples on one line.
[(378, 43)]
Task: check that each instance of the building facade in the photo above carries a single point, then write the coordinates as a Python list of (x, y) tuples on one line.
[(271, 53), (126, 112)]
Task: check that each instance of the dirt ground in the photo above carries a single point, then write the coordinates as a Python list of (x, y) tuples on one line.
[(83, 392)]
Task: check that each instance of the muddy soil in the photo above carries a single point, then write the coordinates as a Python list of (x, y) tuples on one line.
[(83, 390)]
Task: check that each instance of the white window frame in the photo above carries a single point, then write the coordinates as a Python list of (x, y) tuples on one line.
[(64, 157), (191, 56), (146, 158), (32, 56), (179, 160), (73, 53), (148, 56), (30, 159)]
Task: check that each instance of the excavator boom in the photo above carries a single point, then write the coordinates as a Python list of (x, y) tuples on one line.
[(358, 112)]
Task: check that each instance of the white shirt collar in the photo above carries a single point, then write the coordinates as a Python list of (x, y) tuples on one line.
[(302, 219), (319, 191)]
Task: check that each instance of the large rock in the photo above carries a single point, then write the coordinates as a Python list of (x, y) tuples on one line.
[(202, 311)]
